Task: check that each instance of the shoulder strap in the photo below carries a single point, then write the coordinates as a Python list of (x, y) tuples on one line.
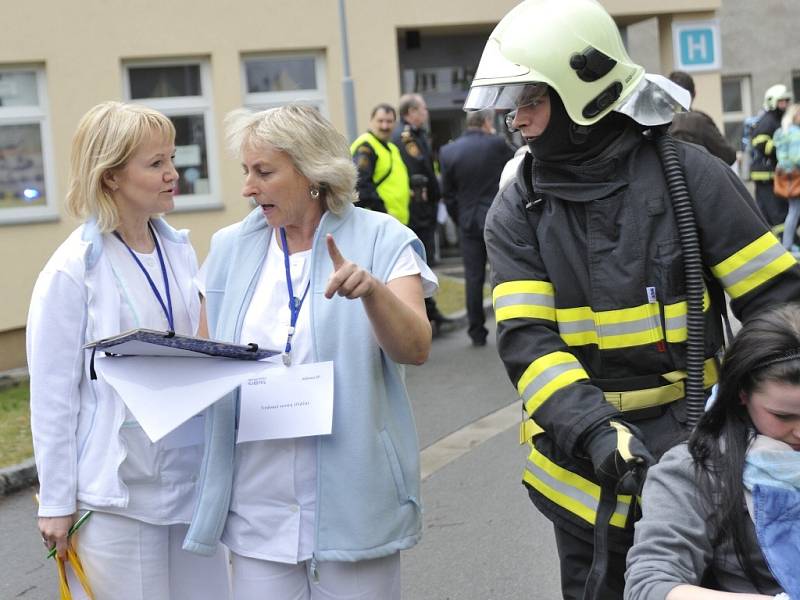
[(389, 172), (532, 202)]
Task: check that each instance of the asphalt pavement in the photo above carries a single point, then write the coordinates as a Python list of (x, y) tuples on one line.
[(483, 540)]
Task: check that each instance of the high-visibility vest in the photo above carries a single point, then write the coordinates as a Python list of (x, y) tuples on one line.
[(390, 176)]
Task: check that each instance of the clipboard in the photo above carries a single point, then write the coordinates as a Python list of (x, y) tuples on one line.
[(151, 342)]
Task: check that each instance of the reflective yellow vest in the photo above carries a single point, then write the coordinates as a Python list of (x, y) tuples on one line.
[(390, 176)]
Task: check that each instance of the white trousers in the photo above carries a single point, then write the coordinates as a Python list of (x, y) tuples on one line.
[(126, 559), (255, 579)]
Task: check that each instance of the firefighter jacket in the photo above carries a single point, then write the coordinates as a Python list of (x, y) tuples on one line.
[(382, 177), (590, 304), (417, 155), (764, 160)]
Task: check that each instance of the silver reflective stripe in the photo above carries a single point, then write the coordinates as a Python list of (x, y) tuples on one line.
[(524, 299), (676, 323), (575, 326), (752, 266), (546, 376), (624, 328), (627, 327), (580, 496)]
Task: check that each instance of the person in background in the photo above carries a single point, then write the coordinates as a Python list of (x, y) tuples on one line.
[(697, 127), (470, 170), (787, 152), (762, 170), (720, 513), (124, 268), (411, 138), (316, 517), (383, 183)]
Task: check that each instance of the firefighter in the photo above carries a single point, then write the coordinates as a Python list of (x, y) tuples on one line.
[(383, 183), (762, 171), (590, 292)]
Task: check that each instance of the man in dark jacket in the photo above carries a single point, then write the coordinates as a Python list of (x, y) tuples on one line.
[(697, 127), (762, 171), (471, 168), (590, 293), (411, 138)]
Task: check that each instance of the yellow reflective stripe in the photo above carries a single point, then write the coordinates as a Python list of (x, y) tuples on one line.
[(623, 440), (769, 147), (753, 265), (761, 139), (761, 175), (675, 319), (569, 490), (524, 299), (619, 328), (650, 397), (546, 375), (528, 430)]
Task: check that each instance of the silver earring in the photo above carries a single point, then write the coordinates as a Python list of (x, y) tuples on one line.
[(314, 193)]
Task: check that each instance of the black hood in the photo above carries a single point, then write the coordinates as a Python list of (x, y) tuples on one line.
[(582, 164), (565, 141)]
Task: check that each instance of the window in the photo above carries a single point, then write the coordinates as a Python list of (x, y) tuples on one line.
[(736, 107), (26, 190), (181, 90), (277, 79)]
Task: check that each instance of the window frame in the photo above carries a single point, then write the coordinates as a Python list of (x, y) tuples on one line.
[(747, 104), (317, 97), (33, 115), (186, 106)]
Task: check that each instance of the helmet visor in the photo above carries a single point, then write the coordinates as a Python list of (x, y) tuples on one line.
[(505, 97)]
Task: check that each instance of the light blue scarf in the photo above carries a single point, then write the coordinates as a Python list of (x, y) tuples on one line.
[(772, 476)]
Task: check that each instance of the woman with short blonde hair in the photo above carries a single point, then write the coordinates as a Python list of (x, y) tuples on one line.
[(316, 149), (311, 275), (124, 268)]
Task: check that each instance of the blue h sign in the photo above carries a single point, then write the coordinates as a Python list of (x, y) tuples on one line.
[(697, 47)]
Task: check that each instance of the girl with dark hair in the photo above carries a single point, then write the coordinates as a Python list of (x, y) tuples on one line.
[(721, 513)]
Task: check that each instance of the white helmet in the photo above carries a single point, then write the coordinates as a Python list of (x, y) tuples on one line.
[(775, 94), (574, 47)]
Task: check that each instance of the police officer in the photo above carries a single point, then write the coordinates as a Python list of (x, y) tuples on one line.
[(762, 171), (410, 137), (383, 183), (590, 293)]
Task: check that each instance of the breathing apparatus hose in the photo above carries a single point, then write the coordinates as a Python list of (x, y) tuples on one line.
[(693, 273)]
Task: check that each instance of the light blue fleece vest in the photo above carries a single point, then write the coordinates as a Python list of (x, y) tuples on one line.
[(368, 480)]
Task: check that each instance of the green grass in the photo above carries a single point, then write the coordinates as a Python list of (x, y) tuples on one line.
[(15, 429), (451, 297)]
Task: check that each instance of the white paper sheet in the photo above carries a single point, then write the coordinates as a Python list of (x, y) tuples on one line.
[(190, 433), (287, 403), (163, 392)]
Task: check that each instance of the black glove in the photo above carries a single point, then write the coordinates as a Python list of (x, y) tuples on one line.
[(620, 459)]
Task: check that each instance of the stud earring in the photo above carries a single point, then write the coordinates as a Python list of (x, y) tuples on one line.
[(314, 193)]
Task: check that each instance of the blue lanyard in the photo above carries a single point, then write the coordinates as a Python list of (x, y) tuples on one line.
[(168, 306), (295, 304)]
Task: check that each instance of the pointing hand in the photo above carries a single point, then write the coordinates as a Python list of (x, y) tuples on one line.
[(348, 279)]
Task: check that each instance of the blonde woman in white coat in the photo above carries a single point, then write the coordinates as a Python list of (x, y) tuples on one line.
[(125, 267)]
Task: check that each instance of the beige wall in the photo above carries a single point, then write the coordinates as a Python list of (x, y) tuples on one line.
[(82, 46)]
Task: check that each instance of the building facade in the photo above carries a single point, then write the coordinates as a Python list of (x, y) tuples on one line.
[(195, 61)]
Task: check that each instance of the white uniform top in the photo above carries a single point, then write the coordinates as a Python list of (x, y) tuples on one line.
[(160, 477), (274, 483)]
